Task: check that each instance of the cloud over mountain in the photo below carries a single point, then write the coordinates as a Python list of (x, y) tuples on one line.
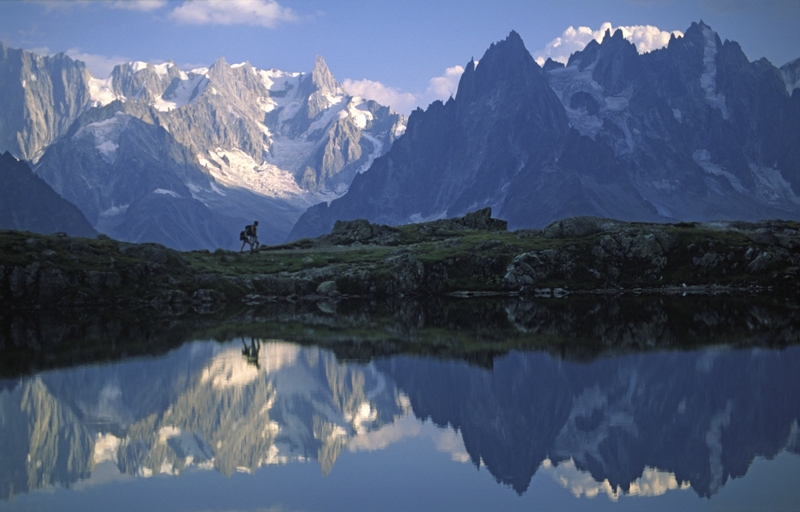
[(383, 94), (439, 88), (646, 38), (98, 65)]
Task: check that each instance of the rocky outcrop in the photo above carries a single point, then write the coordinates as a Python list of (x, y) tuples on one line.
[(363, 232)]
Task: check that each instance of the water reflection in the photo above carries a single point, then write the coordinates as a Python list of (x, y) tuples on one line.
[(639, 424), (702, 416)]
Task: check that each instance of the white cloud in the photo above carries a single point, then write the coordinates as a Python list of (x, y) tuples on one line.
[(100, 66), (138, 5), (399, 101), (444, 86), (265, 13), (646, 38), (439, 88)]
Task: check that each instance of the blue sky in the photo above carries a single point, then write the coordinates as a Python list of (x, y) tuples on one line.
[(404, 52)]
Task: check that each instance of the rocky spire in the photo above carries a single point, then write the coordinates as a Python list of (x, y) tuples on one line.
[(322, 78)]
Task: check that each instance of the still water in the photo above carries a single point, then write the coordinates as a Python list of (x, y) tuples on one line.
[(263, 424)]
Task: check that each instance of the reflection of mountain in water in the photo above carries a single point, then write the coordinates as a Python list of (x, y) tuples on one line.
[(638, 423), (199, 406), (42, 442), (703, 416)]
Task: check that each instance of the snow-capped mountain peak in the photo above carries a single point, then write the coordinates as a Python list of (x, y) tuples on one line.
[(231, 141)]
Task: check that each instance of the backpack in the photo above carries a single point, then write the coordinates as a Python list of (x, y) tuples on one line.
[(248, 231), (242, 236)]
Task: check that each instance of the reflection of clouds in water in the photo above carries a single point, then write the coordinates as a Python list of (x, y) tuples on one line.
[(230, 369), (581, 483), (103, 473), (402, 428), (449, 441), (105, 448), (445, 440)]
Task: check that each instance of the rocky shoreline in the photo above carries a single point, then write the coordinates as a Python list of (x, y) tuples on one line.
[(470, 256)]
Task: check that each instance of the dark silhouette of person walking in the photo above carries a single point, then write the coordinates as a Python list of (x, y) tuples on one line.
[(250, 236)]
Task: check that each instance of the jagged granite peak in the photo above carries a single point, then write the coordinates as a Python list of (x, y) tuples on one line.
[(322, 78), (457, 156), (618, 64), (30, 204), (551, 64), (508, 59), (693, 131), (142, 81), (39, 98)]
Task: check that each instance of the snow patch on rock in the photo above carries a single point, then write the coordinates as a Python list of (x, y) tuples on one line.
[(236, 169), (106, 135), (166, 192), (101, 92), (182, 93), (570, 80), (702, 157), (708, 80), (771, 186)]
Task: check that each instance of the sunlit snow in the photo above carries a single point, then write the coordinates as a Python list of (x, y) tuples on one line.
[(101, 93), (242, 171), (163, 69), (185, 92)]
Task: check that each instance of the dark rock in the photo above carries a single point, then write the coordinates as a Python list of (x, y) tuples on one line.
[(361, 231), (406, 275), (708, 260), (575, 227), (206, 296), (482, 220)]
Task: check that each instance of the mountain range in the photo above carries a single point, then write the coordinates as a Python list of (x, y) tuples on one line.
[(206, 406), (693, 131), (153, 153)]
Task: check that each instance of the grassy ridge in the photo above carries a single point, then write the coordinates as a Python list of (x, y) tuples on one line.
[(431, 259)]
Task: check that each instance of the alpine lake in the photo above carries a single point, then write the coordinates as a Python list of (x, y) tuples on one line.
[(576, 403)]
